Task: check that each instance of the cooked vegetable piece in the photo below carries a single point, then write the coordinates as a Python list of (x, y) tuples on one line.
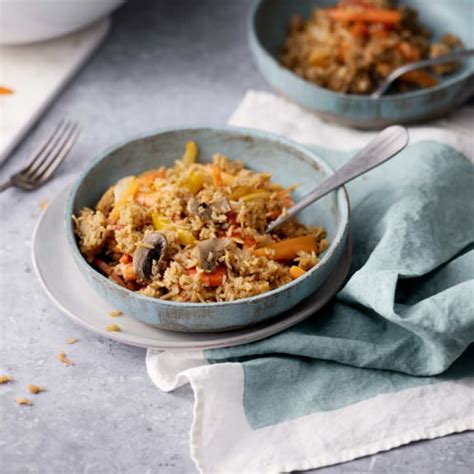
[(190, 153), (288, 249), (368, 15), (149, 260), (6, 91), (185, 237), (124, 190), (296, 272), (212, 279), (227, 178), (149, 177), (419, 78), (210, 250), (195, 182), (216, 176), (256, 195)]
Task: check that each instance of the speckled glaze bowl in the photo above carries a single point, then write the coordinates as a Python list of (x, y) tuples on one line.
[(288, 162), (267, 30)]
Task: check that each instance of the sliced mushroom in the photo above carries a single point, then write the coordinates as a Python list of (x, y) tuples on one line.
[(204, 211), (221, 205), (210, 250), (149, 260), (200, 209)]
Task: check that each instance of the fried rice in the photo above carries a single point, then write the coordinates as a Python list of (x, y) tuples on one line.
[(195, 232), (353, 46)]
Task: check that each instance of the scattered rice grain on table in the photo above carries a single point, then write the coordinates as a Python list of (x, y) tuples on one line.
[(24, 401), (35, 389), (62, 358)]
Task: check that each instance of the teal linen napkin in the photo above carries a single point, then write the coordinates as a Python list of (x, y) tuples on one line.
[(406, 313), (390, 359)]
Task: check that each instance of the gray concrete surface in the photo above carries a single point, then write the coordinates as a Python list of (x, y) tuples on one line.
[(166, 62)]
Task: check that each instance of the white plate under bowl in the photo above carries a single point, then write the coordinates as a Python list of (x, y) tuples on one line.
[(68, 289)]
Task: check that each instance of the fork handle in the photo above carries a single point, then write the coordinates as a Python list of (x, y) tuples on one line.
[(384, 146), (6, 185)]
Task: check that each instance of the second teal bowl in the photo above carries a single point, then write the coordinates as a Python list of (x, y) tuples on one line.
[(267, 30), (289, 164)]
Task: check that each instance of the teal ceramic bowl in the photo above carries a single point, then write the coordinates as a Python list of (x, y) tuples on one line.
[(288, 162), (267, 30)]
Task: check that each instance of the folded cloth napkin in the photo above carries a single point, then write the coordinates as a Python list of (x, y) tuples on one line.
[(389, 360)]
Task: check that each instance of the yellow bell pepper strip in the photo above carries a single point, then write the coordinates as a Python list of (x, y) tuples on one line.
[(296, 272), (195, 182), (288, 249), (128, 194), (256, 195), (227, 178), (185, 237), (190, 154), (160, 222), (240, 191)]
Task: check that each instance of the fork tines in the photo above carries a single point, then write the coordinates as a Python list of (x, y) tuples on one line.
[(51, 153)]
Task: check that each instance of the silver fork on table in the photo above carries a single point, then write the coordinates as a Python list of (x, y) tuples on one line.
[(46, 159)]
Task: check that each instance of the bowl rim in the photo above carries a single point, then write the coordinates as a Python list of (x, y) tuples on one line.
[(304, 153), (256, 45)]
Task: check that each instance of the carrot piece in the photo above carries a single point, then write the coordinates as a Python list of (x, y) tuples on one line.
[(5, 90), (419, 78), (369, 15), (288, 249), (409, 52), (126, 258), (359, 30), (296, 272), (216, 176), (148, 178), (128, 272), (248, 241), (212, 279)]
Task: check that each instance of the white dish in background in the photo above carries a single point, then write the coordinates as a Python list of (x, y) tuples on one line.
[(68, 289), (28, 21), (36, 73)]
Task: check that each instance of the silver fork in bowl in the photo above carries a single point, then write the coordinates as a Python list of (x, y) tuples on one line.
[(447, 58), (46, 159), (388, 143)]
